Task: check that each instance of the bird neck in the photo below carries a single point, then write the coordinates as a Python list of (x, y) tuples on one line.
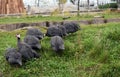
[(19, 43), (19, 40)]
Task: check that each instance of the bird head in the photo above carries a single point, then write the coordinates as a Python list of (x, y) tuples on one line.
[(18, 35), (14, 61)]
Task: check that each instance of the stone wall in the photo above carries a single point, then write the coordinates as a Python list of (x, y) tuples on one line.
[(10, 27)]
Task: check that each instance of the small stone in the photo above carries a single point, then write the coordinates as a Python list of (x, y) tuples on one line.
[(1, 74)]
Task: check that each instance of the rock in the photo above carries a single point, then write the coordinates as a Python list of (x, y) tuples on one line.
[(1, 74)]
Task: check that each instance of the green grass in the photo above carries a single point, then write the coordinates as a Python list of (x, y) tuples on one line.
[(30, 19), (94, 51)]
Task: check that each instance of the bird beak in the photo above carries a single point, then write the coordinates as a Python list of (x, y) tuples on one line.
[(20, 63), (44, 35), (38, 46), (18, 35)]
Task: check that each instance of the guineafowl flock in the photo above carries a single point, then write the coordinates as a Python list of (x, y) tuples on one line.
[(26, 49)]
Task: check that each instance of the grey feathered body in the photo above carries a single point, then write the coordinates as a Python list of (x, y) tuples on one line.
[(71, 27), (35, 32), (13, 57), (26, 51), (54, 31), (32, 41), (57, 43), (63, 29)]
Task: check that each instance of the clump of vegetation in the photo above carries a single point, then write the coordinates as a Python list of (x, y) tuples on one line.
[(112, 71), (55, 12), (90, 21), (109, 5), (105, 20), (114, 34)]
